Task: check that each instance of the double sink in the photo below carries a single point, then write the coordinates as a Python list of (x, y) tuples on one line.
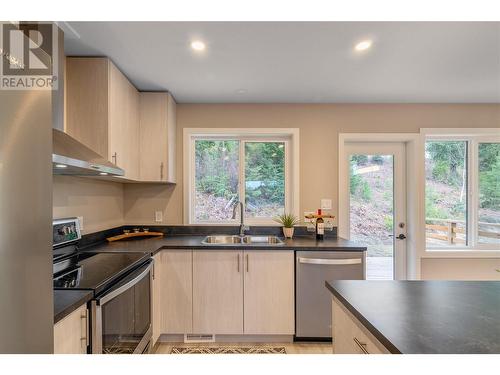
[(242, 240)]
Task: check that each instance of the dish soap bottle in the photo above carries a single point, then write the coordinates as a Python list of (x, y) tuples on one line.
[(320, 226)]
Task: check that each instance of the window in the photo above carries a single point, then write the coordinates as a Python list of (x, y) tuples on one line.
[(225, 169), (489, 193), (462, 193)]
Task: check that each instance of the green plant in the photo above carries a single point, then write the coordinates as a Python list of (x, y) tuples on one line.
[(388, 222), (287, 220), (366, 191)]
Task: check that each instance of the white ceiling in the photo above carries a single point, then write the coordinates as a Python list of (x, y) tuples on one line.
[(302, 62)]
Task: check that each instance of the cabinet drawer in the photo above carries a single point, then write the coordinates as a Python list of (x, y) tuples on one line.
[(350, 336)]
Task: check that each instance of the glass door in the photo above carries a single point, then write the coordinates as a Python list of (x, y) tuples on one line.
[(377, 206)]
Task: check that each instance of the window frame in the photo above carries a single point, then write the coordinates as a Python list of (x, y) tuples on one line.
[(472, 213), (288, 136)]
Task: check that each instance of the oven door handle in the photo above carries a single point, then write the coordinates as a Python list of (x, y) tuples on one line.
[(144, 270)]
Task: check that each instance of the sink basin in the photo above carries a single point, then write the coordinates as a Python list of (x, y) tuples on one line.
[(245, 240), (212, 240)]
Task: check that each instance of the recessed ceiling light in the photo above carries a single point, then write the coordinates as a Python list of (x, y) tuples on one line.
[(241, 91), (61, 166), (363, 45), (103, 173), (198, 45)]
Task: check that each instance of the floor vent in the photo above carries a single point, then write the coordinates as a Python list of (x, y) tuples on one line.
[(192, 338)]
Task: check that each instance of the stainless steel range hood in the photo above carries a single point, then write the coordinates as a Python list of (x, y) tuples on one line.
[(70, 157)]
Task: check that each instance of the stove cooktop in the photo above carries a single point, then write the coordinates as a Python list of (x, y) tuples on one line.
[(95, 272)]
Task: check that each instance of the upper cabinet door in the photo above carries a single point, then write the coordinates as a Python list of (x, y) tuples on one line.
[(86, 102), (157, 137), (123, 123), (102, 111), (269, 292)]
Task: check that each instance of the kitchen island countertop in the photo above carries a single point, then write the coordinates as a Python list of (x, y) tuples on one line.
[(421, 317)]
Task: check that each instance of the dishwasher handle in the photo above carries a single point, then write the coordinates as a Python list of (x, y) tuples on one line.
[(337, 261)]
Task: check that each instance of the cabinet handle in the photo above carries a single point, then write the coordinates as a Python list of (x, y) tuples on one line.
[(161, 171), (114, 157), (238, 262), (361, 345), (247, 262), (85, 317)]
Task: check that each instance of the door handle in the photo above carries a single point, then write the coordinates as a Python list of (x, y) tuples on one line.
[(247, 262), (238, 262), (399, 237)]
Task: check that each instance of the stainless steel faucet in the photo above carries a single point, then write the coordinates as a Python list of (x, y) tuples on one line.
[(243, 227)]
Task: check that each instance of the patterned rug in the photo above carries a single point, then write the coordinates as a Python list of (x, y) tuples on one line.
[(228, 350)]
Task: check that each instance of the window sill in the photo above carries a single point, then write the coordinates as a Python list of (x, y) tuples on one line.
[(464, 253)]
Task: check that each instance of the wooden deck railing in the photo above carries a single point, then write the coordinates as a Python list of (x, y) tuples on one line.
[(453, 231)]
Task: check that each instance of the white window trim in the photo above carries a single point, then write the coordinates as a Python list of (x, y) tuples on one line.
[(288, 135), (474, 137)]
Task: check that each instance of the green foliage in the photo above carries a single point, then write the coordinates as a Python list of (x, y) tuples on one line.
[(355, 180), (447, 160), (359, 159), (489, 175), (388, 222), (265, 166), (489, 182), (287, 220), (217, 167), (366, 191), (432, 205), (378, 159)]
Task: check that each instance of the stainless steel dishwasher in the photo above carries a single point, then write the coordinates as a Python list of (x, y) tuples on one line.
[(313, 302)]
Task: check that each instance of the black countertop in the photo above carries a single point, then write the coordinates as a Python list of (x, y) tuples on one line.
[(417, 317), (153, 245), (67, 301)]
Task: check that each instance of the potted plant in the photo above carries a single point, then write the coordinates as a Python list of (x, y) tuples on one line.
[(288, 221)]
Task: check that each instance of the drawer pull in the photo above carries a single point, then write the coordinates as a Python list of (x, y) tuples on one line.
[(361, 345)]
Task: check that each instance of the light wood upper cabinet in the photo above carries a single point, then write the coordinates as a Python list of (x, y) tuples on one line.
[(70, 334), (217, 292), (102, 111), (269, 292), (157, 137)]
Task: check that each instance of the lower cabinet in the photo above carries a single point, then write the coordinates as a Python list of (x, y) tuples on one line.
[(230, 292), (350, 336), (71, 333), (269, 292), (217, 292), (172, 293)]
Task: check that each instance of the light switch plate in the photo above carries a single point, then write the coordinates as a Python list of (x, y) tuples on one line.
[(158, 216), (326, 204)]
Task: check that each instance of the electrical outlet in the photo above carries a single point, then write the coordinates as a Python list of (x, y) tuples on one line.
[(158, 216), (326, 204)]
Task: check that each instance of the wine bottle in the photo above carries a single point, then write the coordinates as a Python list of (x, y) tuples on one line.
[(320, 227)]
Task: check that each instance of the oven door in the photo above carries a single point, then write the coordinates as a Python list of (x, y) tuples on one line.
[(121, 318)]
